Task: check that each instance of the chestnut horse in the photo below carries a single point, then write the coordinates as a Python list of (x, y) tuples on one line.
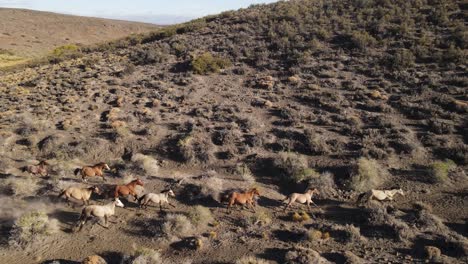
[(128, 189), (90, 171), (243, 198), (39, 169)]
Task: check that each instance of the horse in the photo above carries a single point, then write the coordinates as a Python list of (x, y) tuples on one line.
[(99, 211), (301, 198), (156, 198), (243, 198), (83, 194), (90, 171), (128, 189), (380, 195), (39, 169)]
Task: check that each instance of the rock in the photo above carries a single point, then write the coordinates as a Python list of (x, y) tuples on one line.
[(431, 252), (94, 259)]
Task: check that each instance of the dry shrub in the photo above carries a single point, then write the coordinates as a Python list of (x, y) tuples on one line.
[(32, 226), (439, 171), (300, 217), (313, 235), (94, 259), (261, 218), (369, 174), (351, 258), (146, 163), (325, 182), (293, 167), (195, 149), (144, 255), (177, 225), (23, 186), (200, 216), (432, 253), (302, 255), (251, 260), (209, 186), (352, 234), (244, 171), (316, 143), (429, 222), (380, 217)]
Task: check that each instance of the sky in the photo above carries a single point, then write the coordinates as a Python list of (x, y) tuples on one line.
[(151, 11)]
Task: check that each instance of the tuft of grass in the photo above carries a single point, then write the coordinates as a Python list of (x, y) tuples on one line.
[(146, 163), (206, 63), (369, 175), (200, 216), (439, 170), (251, 260), (23, 186), (177, 225), (144, 255), (300, 217), (32, 226), (294, 167), (314, 235)]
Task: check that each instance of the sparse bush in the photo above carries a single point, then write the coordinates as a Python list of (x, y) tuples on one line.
[(350, 233), (200, 216), (362, 40), (261, 218), (301, 255), (207, 63), (293, 167), (313, 235), (401, 59), (439, 170), (143, 255), (146, 163), (30, 227), (177, 225), (316, 143), (23, 186), (300, 217), (368, 175), (61, 53), (325, 182), (251, 260)]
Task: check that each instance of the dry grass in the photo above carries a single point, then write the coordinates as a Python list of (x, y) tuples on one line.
[(146, 163), (177, 225), (251, 260), (144, 255), (200, 216), (302, 255), (23, 186), (32, 226), (369, 175)]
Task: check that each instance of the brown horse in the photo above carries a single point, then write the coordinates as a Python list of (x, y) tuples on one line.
[(128, 189), (39, 169), (243, 198), (90, 171)]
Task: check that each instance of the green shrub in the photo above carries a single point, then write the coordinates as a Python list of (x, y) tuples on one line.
[(439, 170), (200, 216), (402, 59), (207, 63), (368, 175), (61, 53)]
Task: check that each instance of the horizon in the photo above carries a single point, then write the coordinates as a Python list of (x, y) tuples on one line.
[(146, 11)]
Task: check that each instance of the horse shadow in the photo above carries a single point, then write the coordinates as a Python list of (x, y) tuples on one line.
[(149, 228), (65, 217), (111, 256), (288, 236), (269, 203)]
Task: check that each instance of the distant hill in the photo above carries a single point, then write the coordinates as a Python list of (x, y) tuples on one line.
[(28, 33)]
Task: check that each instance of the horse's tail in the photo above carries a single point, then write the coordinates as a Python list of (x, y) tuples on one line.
[(77, 171)]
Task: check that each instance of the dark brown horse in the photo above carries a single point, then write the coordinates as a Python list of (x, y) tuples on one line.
[(128, 189), (90, 171), (39, 169), (243, 198)]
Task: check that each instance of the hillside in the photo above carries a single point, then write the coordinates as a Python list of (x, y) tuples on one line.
[(32, 34), (343, 96)]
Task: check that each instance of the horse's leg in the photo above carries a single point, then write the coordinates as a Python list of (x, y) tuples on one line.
[(106, 219), (160, 206), (173, 206)]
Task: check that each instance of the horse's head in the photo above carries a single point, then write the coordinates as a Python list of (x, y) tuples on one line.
[(118, 203), (255, 191), (105, 166), (313, 191), (400, 191), (170, 192), (138, 182)]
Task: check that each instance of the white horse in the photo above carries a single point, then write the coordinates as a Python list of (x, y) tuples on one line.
[(99, 211), (380, 195), (301, 198), (83, 194), (156, 198)]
